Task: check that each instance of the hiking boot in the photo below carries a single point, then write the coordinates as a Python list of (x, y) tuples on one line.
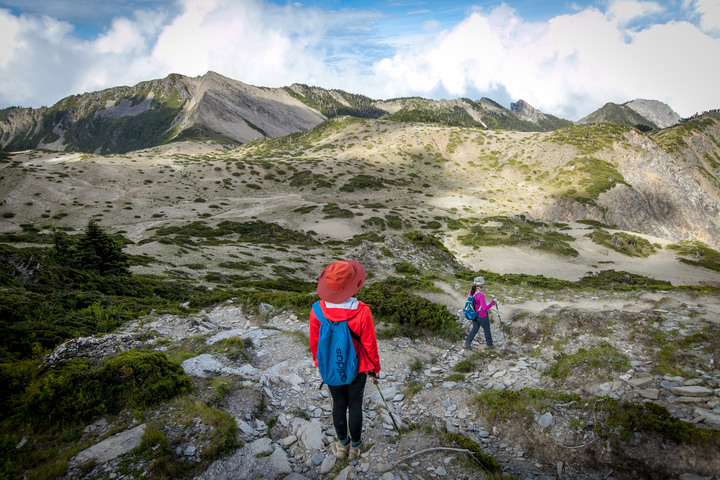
[(341, 451), (491, 347), (468, 346), (354, 452)]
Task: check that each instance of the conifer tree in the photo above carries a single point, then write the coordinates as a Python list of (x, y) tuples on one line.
[(100, 252)]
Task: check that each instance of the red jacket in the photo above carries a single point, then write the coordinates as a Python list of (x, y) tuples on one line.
[(361, 322)]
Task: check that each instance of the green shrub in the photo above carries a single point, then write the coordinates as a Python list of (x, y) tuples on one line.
[(519, 231), (653, 418), (79, 390), (622, 242), (413, 315), (604, 357), (700, 254), (361, 182)]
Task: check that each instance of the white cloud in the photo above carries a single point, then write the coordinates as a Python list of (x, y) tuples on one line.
[(568, 66), (9, 28), (709, 11), (625, 11)]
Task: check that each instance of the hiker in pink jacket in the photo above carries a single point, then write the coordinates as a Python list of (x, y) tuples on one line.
[(482, 320)]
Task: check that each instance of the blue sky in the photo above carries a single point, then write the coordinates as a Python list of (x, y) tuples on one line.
[(565, 58)]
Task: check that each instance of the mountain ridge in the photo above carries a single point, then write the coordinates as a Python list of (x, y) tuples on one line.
[(214, 107)]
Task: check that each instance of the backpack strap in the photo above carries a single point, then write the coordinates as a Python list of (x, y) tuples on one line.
[(317, 309)]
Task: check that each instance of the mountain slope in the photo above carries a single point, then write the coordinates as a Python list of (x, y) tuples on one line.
[(213, 107), (122, 119), (646, 114)]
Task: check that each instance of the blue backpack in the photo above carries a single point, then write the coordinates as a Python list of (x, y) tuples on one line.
[(469, 309), (336, 356)]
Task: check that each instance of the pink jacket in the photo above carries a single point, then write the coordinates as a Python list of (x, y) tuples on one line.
[(479, 304)]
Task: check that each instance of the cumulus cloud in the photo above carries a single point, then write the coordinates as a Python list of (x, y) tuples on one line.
[(709, 11), (567, 66)]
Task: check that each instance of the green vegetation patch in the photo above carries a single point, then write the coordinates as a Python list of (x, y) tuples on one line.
[(590, 138), (77, 390), (305, 178), (518, 231), (428, 242), (700, 255), (622, 242), (605, 280), (363, 182), (333, 210), (323, 100), (410, 315), (612, 418), (422, 111), (504, 404), (486, 461), (649, 418), (604, 358), (674, 139), (600, 176), (200, 233)]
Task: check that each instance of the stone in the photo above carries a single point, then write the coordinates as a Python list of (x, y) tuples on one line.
[(309, 433), (688, 400), (112, 447), (709, 417), (91, 347), (649, 393), (289, 440), (347, 473), (253, 461), (244, 427), (691, 391), (640, 382), (328, 464), (546, 420), (383, 467)]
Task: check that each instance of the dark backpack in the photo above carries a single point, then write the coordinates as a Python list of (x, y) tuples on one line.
[(336, 356), (469, 309)]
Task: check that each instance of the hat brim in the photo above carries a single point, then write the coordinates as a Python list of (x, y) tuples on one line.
[(338, 296)]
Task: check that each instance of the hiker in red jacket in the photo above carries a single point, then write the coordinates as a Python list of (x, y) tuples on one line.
[(337, 285)]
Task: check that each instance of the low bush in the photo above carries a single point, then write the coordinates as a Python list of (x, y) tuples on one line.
[(393, 303), (79, 390)]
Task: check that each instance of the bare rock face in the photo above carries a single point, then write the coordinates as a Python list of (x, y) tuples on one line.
[(657, 112), (527, 112), (91, 347)]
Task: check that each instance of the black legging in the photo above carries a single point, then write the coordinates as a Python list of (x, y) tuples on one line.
[(348, 398)]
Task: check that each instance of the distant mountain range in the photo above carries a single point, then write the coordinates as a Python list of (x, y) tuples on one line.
[(214, 107)]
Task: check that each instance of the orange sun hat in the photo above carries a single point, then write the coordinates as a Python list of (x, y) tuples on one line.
[(340, 280)]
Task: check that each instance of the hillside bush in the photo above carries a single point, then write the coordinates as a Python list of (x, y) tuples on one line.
[(79, 390), (604, 358), (622, 242), (392, 302), (521, 231), (700, 254)]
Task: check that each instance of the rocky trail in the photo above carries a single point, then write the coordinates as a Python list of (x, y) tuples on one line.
[(284, 417)]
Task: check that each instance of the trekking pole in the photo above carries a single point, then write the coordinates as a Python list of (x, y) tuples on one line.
[(385, 402), (502, 327)]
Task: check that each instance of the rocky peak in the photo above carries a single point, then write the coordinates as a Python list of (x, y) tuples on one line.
[(526, 111), (658, 112)]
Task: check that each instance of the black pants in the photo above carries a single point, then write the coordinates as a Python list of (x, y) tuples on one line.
[(347, 404)]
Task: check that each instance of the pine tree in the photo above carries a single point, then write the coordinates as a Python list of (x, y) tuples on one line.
[(100, 252)]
